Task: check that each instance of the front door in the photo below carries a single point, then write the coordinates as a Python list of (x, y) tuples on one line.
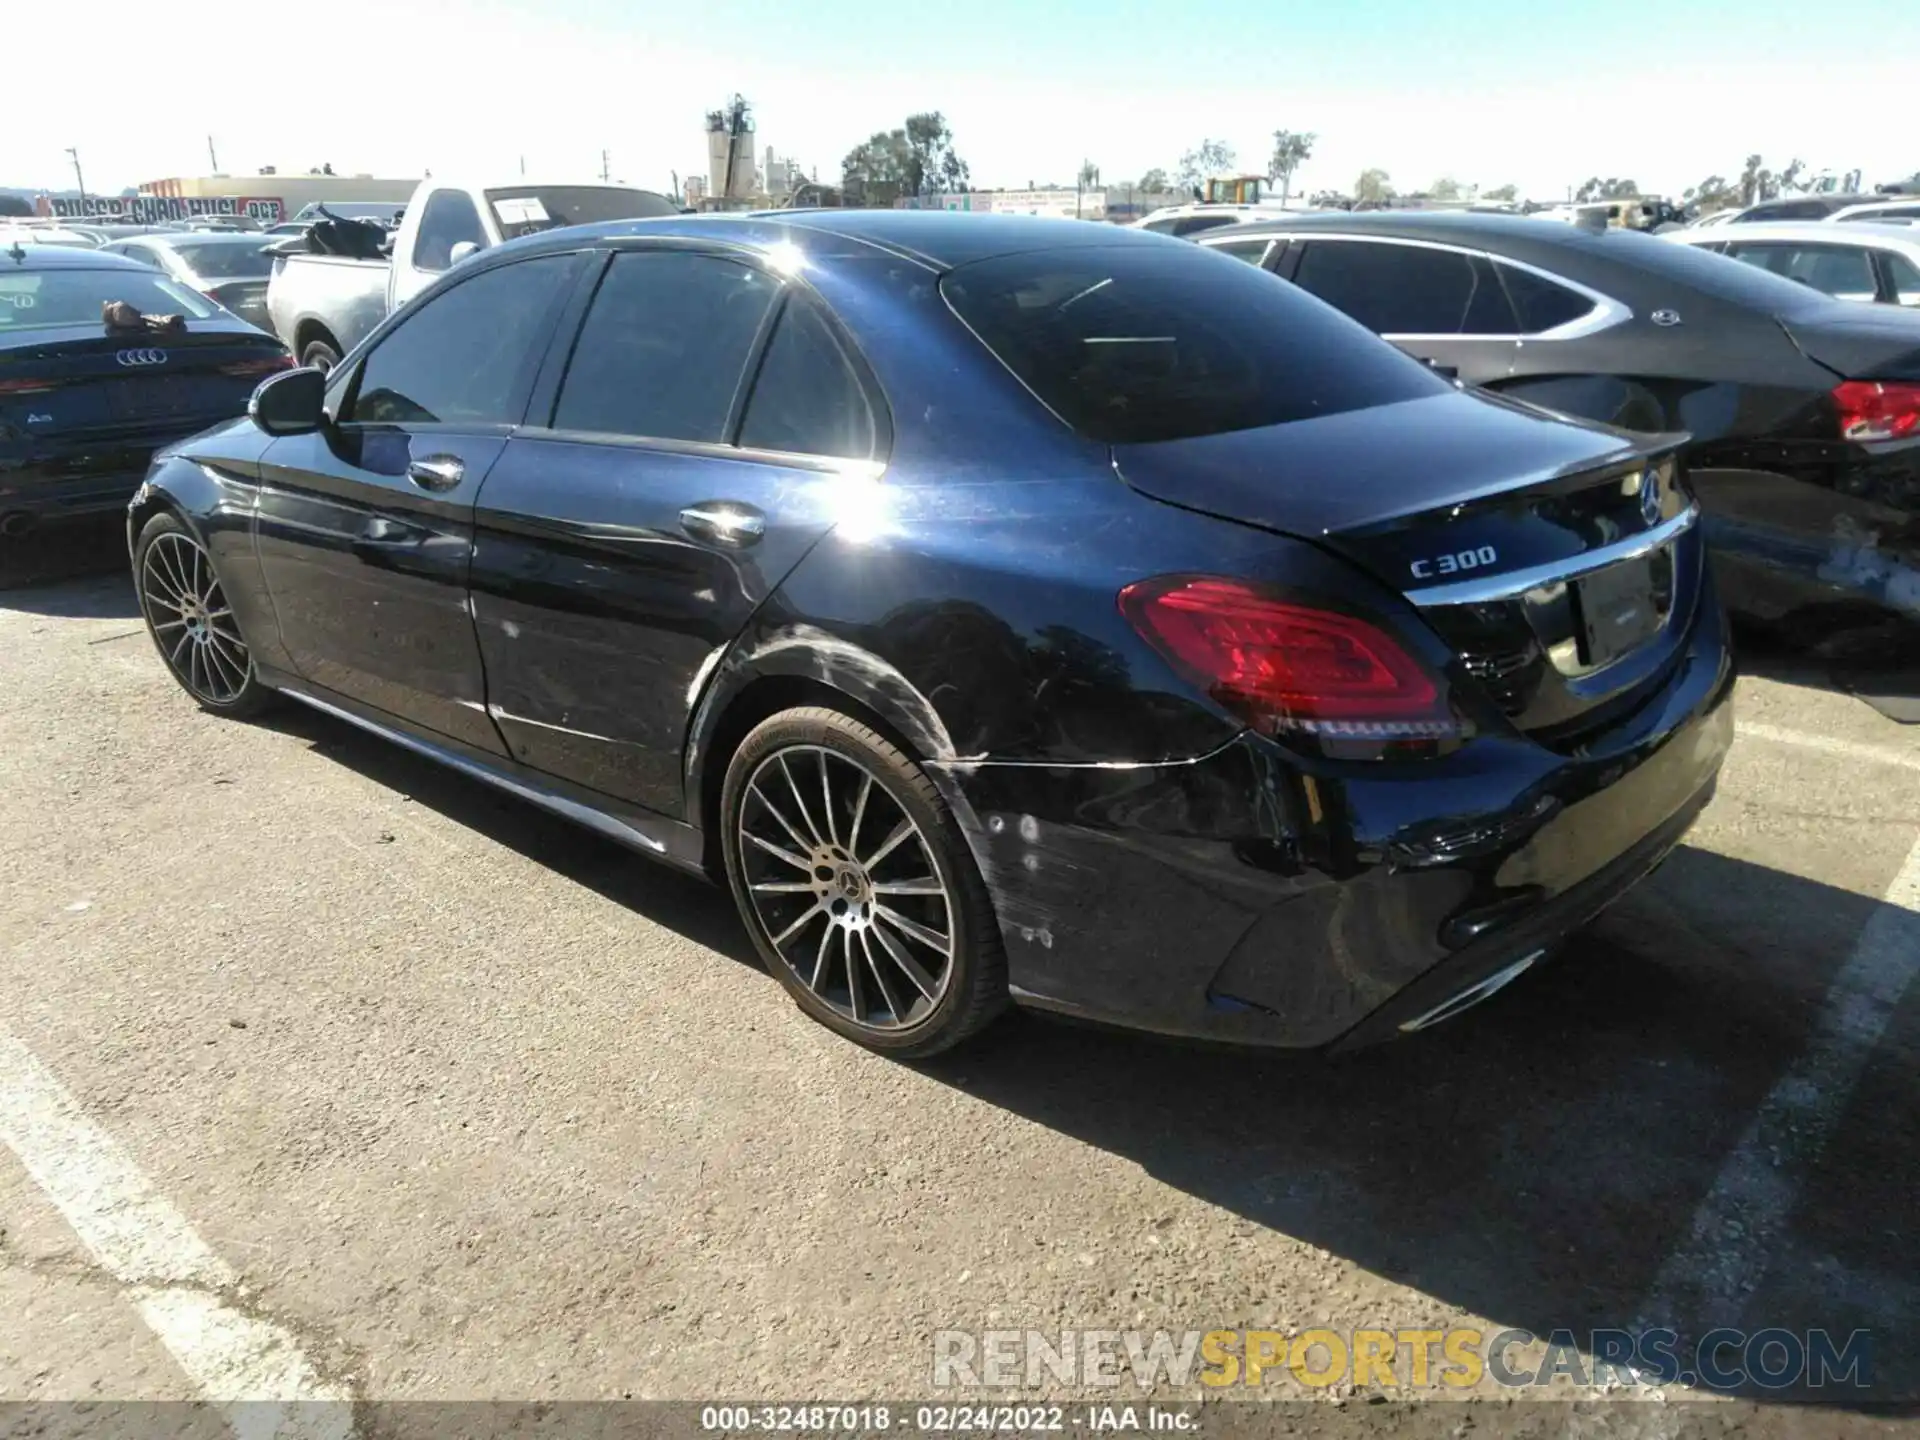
[(365, 528), (711, 426)]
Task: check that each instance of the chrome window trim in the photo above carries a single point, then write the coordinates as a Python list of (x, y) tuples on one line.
[(1606, 313), (1518, 582)]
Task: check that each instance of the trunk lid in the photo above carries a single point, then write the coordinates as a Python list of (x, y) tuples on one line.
[(1859, 342), (82, 381), (1559, 560)]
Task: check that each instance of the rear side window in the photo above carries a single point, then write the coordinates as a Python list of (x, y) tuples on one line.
[(664, 346), (461, 356), (807, 399), (1904, 274), (1135, 344), (1405, 289), (449, 219), (1540, 304), (1252, 251), (1838, 270)]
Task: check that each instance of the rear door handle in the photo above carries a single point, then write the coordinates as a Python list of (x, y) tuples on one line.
[(437, 472), (724, 522)]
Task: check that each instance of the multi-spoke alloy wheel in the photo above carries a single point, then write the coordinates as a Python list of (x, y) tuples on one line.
[(190, 620), (858, 890)]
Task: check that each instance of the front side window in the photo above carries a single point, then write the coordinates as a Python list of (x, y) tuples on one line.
[(807, 399), (449, 220), (1406, 289), (664, 346), (1130, 344), (461, 357)]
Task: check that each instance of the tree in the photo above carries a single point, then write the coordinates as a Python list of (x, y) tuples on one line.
[(1609, 189), (876, 169), (1756, 182), (933, 166), (1445, 188), (1089, 175), (1155, 182), (1712, 193), (1508, 193), (1372, 188), (1790, 180), (1210, 157), (1291, 149)]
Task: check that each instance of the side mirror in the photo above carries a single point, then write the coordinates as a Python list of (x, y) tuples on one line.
[(462, 251), (290, 403)]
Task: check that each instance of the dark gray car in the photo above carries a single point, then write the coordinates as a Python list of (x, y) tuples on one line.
[(230, 269)]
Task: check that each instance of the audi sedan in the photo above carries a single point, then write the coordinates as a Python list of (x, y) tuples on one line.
[(1804, 411), (1004, 610), (83, 405)]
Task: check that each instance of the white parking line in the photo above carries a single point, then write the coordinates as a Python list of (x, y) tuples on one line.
[(253, 1368), (1806, 739), (1737, 1227)]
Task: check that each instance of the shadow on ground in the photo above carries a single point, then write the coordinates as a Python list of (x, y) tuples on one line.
[(1534, 1162), (77, 571)]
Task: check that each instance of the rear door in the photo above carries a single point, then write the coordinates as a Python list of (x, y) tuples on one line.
[(1436, 302), (709, 427), (365, 528)]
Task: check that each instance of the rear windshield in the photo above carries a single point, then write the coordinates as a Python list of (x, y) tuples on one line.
[(1130, 345), (46, 299), (525, 209), (244, 261)]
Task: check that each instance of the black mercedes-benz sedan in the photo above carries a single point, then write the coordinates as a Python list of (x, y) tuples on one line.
[(1804, 411), (83, 405), (1006, 609)]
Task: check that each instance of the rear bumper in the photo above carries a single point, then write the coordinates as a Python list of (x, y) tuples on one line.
[(85, 481), (1256, 897)]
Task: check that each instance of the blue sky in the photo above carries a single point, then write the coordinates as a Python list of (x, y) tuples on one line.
[(1537, 95)]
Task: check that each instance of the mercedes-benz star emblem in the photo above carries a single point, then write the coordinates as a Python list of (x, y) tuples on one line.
[(142, 357), (1650, 497)]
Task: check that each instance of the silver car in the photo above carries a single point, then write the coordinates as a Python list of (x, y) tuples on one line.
[(230, 269)]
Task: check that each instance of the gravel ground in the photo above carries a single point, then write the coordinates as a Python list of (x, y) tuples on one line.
[(473, 1105)]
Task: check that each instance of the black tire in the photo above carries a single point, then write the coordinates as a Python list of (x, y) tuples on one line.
[(880, 918), (189, 622), (320, 354)]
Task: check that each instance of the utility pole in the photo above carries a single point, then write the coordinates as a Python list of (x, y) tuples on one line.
[(523, 167), (78, 178), (603, 167), (212, 159)]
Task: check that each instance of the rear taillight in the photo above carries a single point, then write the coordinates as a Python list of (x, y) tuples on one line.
[(1283, 666), (1877, 409), (266, 365), (26, 387)]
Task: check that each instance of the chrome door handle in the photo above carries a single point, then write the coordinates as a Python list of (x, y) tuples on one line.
[(437, 472), (723, 522)]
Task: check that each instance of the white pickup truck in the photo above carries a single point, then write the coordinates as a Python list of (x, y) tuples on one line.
[(322, 306)]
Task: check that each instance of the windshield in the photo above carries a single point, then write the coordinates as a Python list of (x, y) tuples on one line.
[(1132, 345), (526, 209), (243, 261), (47, 299)]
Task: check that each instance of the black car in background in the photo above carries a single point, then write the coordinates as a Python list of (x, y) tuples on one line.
[(1804, 411), (1006, 609), (83, 406)]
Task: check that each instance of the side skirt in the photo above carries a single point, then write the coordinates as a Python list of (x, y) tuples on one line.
[(672, 841)]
